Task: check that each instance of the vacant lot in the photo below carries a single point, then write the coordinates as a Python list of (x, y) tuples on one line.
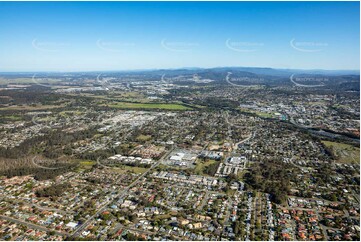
[(344, 153)]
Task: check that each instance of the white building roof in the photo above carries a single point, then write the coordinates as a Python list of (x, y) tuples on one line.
[(71, 225)]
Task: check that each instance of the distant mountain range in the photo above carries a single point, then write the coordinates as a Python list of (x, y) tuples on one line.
[(342, 80), (255, 70), (194, 70)]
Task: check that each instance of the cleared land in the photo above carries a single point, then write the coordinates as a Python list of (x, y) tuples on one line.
[(344, 153)]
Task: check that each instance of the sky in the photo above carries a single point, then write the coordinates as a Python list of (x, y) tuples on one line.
[(110, 36)]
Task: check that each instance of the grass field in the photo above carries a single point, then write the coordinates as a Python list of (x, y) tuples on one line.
[(144, 137), (164, 106), (87, 162), (345, 153), (84, 164), (118, 96), (69, 113), (12, 117), (264, 115)]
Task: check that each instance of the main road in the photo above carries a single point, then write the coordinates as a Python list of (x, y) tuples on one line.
[(31, 225)]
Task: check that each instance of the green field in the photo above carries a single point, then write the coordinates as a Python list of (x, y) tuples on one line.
[(12, 117), (264, 115), (344, 153), (85, 164), (69, 113), (118, 97), (144, 137), (165, 106)]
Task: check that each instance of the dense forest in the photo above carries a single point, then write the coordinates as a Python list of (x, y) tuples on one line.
[(39, 172), (271, 177), (54, 144), (55, 190)]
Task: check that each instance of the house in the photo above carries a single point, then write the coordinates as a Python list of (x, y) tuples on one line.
[(71, 225), (197, 225), (184, 221), (126, 204)]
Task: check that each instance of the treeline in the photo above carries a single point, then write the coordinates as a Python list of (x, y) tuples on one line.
[(56, 143), (22, 150), (7, 164), (40, 173), (55, 190), (59, 143), (344, 114), (271, 177), (123, 149), (34, 94), (217, 103)]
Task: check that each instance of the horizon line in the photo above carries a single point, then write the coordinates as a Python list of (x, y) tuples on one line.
[(174, 68)]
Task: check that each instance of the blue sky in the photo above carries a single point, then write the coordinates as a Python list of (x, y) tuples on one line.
[(98, 36)]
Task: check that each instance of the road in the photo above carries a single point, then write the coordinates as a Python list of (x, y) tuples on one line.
[(117, 197), (317, 214), (245, 140), (323, 227), (204, 200), (121, 226), (242, 141), (321, 132), (30, 203), (316, 199), (31, 225)]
